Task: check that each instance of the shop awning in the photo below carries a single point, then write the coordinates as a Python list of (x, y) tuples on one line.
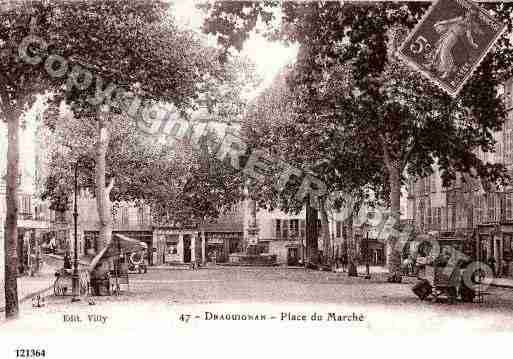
[(118, 245)]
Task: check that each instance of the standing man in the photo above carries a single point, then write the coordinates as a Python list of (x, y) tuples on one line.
[(492, 264), (53, 245)]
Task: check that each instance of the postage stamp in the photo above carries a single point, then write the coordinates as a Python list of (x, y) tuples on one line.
[(450, 41)]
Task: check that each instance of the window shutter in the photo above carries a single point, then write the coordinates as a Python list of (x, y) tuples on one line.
[(285, 229), (277, 228)]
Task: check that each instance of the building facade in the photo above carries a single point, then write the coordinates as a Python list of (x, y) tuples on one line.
[(33, 216), (284, 235), (475, 218), (207, 242)]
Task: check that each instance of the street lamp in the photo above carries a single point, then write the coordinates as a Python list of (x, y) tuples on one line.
[(75, 279), (366, 252)]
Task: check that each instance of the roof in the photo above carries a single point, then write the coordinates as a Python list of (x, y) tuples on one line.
[(118, 244)]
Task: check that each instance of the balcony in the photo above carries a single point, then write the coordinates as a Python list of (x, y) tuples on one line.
[(25, 216)]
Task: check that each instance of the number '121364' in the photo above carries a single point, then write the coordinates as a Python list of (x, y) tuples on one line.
[(30, 353)]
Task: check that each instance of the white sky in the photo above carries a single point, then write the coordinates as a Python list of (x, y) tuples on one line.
[(269, 57)]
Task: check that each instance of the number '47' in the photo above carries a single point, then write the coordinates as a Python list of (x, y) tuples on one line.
[(185, 317)]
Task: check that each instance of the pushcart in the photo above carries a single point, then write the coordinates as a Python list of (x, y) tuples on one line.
[(443, 281), (104, 278), (446, 281)]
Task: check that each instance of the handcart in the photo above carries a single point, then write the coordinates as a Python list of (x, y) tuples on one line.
[(444, 281), (109, 269)]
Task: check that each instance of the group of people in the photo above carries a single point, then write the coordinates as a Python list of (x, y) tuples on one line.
[(414, 264), (341, 261), (492, 263)]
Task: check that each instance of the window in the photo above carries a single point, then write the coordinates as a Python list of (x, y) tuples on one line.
[(294, 227), (124, 215), (302, 232), (497, 198), (140, 216), (90, 242), (480, 209), (421, 214), (508, 206), (491, 207), (278, 228), (439, 216), (24, 205), (338, 229), (171, 244)]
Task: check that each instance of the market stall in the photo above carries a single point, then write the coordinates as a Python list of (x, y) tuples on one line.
[(109, 269)]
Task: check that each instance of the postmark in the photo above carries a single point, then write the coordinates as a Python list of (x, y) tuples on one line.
[(450, 41)]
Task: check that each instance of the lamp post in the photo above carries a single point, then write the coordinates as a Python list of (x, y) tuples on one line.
[(367, 265), (75, 276)]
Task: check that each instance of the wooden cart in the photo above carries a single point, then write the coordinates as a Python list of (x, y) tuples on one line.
[(103, 277), (445, 281)]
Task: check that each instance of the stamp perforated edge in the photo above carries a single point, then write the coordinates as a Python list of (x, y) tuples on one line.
[(412, 63)]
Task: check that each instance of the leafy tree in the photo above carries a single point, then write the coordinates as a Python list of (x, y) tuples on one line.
[(282, 122), (89, 48), (405, 123), (19, 83), (163, 171)]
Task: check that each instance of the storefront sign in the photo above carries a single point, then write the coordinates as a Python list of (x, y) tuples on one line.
[(216, 240)]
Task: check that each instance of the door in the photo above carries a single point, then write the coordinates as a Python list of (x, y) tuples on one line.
[(186, 248), (292, 256)]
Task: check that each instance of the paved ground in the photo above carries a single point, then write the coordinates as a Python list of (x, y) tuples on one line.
[(164, 295), (28, 286)]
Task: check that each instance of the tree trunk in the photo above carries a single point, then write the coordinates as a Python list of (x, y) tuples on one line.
[(103, 202), (11, 229), (311, 233), (325, 232), (352, 269), (393, 252)]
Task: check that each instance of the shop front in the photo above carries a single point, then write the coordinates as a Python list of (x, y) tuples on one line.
[(507, 238), (496, 248), (490, 247), (174, 245), (221, 244), (31, 240), (372, 244), (141, 236), (376, 252)]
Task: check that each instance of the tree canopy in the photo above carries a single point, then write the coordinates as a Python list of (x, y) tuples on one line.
[(401, 122)]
